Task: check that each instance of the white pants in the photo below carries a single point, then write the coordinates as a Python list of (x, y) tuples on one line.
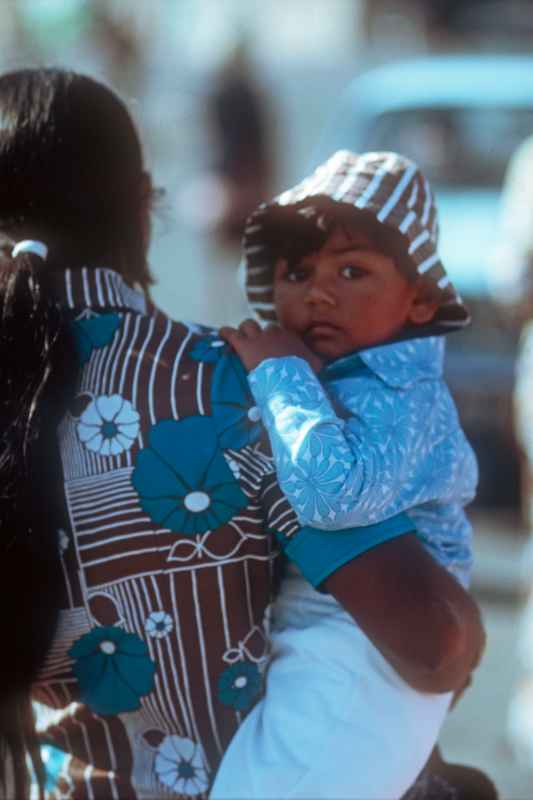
[(336, 722)]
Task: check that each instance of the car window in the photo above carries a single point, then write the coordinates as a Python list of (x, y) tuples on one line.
[(453, 146)]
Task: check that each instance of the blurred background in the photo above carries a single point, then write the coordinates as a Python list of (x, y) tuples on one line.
[(238, 99)]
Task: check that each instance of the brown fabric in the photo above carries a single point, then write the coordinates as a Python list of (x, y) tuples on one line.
[(120, 566)]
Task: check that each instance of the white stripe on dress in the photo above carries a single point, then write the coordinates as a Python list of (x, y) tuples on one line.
[(172, 661), (110, 288), (98, 282), (173, 379), (139, 614), (222, 595), (68, 284), (183, 661), (112, 540), (199, 376), (87, 773), (86, 287), (205, 669), (135, 613), (248, 593), (154, 644), (153, 372), (123, 503), (127, 357), (114, 352)]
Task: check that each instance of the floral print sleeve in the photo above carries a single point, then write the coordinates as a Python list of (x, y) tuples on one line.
[(388, 451)]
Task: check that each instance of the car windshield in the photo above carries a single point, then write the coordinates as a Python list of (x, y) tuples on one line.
[(453, 145)]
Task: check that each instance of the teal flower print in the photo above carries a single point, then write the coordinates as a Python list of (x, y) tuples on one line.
[(183, 480), (239, 685), (236, 417), (113, 669), (209, 349), (94, 332)]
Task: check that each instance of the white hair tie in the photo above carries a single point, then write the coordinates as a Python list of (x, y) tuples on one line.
[(30, 246)]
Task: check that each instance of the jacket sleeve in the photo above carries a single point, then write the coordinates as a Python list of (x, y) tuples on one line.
[(371, 463), (318, 553)]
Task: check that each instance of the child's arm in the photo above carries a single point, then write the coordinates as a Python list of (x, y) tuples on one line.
[(340, 473)]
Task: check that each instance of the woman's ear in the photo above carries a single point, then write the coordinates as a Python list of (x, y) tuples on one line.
[(424, 303)]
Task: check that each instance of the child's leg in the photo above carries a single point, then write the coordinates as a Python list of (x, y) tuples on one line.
[(336, 722)]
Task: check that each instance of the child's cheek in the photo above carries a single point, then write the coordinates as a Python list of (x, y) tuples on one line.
[(290, 309)]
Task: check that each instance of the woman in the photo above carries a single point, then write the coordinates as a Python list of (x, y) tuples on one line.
[(143, 542), (77, 206)]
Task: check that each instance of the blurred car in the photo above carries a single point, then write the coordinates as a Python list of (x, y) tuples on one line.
[(460, 117)]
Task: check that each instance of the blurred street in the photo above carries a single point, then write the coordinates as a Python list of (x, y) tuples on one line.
[(163, 59), (476, 730)]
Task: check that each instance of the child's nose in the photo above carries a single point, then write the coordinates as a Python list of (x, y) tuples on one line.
[(319, 293)]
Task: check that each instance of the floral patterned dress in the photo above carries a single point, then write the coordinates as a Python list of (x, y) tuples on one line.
[(168, 540), (166, 557)]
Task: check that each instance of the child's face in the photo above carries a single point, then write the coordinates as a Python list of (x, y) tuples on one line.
[(346, 296)]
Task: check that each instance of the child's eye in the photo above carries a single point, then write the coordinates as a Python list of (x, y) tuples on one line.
[(351, 272)]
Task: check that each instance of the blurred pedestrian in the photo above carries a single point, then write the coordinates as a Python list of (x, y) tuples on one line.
[(512, 286), (238, 117), (239, 174)]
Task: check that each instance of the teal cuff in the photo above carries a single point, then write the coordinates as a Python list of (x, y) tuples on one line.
[(318, 553)]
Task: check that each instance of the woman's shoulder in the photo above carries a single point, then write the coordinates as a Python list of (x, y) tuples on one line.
[(159, 331)]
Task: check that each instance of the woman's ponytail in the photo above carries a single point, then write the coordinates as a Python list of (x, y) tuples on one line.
[(38, 371)]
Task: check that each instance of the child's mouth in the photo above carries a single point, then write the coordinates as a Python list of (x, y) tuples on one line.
[(321, 329)]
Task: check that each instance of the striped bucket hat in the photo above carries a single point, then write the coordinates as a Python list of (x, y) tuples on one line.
[(385, 185)]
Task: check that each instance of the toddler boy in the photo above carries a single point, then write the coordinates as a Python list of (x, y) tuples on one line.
[(346, 264)]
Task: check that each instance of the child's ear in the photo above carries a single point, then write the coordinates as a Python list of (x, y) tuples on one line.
[(424, 304)]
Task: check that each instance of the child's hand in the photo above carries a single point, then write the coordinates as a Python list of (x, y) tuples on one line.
[(254, 344)]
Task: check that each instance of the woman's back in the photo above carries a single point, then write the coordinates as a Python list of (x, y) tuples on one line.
[(159, 643)]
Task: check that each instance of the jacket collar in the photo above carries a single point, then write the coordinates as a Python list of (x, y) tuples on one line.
[(96, 288), (399, 365)]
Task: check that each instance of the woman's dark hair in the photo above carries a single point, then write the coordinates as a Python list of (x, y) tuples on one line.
[(71, 170), (71, 175)]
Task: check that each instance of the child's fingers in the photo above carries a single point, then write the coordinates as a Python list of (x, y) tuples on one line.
[(250, 329), (228, 333)]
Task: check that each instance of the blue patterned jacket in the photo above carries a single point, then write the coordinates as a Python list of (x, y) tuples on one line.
[(376, 434)]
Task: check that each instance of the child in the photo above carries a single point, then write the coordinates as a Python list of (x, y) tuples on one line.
[(346, 263)]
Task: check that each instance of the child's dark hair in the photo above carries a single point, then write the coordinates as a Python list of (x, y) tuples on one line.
[(295, 231), (71, 175)]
